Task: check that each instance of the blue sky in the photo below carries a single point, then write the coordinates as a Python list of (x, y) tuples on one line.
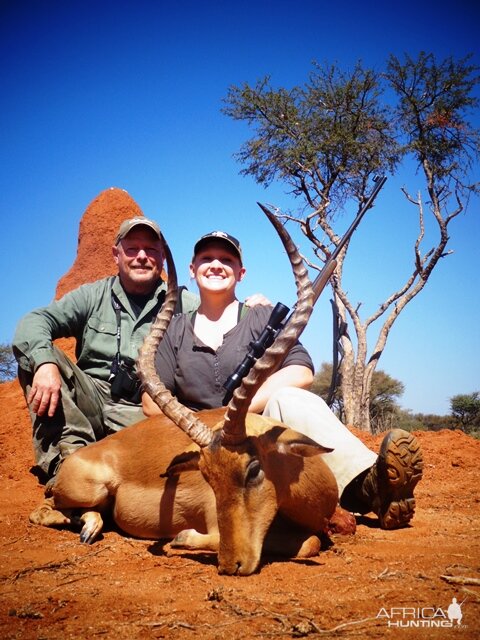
[(128, 94)]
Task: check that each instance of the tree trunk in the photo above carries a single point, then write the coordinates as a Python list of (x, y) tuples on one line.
[(355, 388), (356, 383)]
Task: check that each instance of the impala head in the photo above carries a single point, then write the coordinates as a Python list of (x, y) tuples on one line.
[(251, 462)]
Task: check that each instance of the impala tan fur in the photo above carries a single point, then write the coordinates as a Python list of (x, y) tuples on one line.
[(231, 482)]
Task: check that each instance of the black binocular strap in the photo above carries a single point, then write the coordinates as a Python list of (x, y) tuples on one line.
[(117, 308)]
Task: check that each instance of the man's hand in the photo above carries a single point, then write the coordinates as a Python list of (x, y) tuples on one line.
[(257, 298), (149, 407), (45, 392)]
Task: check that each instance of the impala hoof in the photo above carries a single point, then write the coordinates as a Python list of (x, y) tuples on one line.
[(183, 540), (92, 526), (310, 547)]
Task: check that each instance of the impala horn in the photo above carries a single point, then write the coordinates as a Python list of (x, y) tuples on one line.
[(177, 412), (234, 429)]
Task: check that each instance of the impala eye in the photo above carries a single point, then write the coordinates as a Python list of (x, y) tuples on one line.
[(254, 474)]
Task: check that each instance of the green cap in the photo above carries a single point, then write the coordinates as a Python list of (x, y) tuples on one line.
[(128, 225)]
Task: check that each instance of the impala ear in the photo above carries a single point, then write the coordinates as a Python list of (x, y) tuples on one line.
[(186, 461), (303, 446), (288, 441)]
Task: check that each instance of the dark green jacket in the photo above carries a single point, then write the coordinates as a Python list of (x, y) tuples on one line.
[(87, 314)]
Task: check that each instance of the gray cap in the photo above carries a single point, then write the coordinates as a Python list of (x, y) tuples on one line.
[(128, 225), (222, 236)]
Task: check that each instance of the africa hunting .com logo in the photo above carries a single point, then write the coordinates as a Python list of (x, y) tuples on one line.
[(423, 617)]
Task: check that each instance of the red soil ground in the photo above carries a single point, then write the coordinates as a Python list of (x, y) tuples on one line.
[(374, 584)]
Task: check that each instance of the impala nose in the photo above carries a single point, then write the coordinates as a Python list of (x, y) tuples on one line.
[(238, 568)]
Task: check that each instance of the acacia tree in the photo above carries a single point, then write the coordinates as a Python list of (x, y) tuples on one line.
[(384, 393), (328, 139), (466, 409), (8, 368)]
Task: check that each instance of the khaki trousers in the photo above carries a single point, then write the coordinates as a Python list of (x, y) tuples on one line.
[(85, 413)]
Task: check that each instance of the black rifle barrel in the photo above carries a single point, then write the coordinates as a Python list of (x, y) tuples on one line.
[(274, 324)]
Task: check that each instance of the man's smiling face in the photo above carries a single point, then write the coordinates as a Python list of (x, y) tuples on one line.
[(139, 258)]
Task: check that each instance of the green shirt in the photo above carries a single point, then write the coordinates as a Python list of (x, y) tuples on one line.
[(87, 314)]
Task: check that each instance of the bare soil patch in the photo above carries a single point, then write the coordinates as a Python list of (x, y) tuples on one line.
[(53, 587)]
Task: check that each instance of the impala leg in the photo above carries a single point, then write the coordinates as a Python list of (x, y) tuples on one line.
[(191, 539), (81, 487), (292, 544), (48, 516), (290, 541)]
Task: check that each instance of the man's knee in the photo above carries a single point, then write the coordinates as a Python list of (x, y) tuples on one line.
[(25, 371)]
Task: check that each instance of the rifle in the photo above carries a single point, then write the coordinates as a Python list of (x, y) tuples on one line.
[(274, 325)]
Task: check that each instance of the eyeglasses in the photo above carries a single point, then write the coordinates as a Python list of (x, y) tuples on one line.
[(150, 252)]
